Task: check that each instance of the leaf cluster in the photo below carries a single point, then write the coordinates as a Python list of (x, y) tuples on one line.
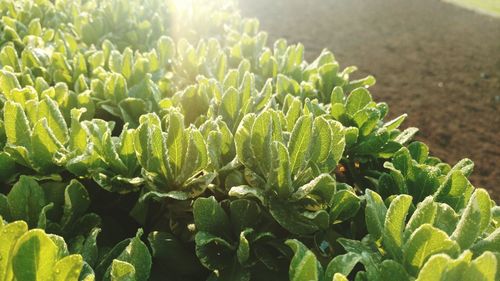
[(144, 140)]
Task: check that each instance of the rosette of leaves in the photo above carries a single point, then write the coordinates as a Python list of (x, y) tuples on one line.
[(369, 139), (36, 132), (127, 90), (40, 64), (129, 259), (412, 172), (207, 58), (399, 247), (220, 144), (14, 89), (35, 255), (230, 97), (173, 158), (134, 23), (370, 135), (56, 207), (109, 160), (288, 172), (30, 20), (233, 244)]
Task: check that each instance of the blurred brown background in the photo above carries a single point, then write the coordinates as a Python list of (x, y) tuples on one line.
[(435, 61)]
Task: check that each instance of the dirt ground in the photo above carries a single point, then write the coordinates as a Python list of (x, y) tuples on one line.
[(435, 61)]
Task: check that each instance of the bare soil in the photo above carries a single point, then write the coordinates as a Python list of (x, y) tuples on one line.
[(435, 61)]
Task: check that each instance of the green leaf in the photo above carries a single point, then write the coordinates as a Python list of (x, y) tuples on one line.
[(434, 268), (280, 174), (342, 264), (196, 156), (49, 109), (243, 251), (339, 277), (446, 218), (230, 106), (44, 146), (131, 109), (34, 256), (89, 250), (214, 252), (294, 112), (425, 242), (465, 166), (396, 122), (338, 143), (16, 124), (176, 142), (76, 202), (474, 220), (244, 214), (26, 201), (345, 205), (375, 214), (392, 236), (393, 270), (337, 95), (425, 213), (419, 151), (454, 190), (68, 268), (8, 82), (357, 100), (242, 141), (323, 186), (300, 141), (321, 140), (122, 271), (406, 135), (262, 136), (291, 219), (10, 233), (241, 191), (483, 268), (78, 136), (137, 254), (210, 217), (304, 265), (490, 243)]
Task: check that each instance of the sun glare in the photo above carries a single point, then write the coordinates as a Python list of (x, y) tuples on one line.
[(183, 4)]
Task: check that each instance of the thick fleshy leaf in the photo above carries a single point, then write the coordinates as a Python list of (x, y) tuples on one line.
[(357, 100), (122, 271), (210, 217), (137, 254), (342, 264), (321, 140), (304, 265), (392, 236), (474, 220), (76, 202), (17, 128), (425, 213), (34, 257), (425, 242), (345, 205), (391, 269), (300, 141), (26, 201), (68, 268), (10, 233), (280, 173), (375, 213)]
